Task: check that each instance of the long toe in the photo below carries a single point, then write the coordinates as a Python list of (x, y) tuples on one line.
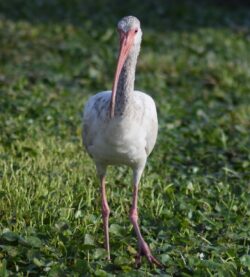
[(144, 250), (138, 260), (153, 260)]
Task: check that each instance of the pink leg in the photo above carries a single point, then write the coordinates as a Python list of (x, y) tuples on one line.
[(144, 249), (105, 216)]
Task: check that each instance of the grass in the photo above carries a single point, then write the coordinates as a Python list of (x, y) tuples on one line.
[(195, 193)]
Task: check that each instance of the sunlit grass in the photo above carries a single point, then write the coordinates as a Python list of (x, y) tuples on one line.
[(194, 195)]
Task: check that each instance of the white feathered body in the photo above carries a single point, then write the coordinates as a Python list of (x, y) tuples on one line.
[(127, 138)]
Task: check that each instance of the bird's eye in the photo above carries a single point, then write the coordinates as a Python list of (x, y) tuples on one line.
[(136, 31)]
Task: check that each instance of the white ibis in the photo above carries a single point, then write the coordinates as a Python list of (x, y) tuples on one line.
[(120, 128)]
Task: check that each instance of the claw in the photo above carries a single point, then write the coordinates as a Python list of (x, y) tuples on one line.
[(144, 250), (138, 260)]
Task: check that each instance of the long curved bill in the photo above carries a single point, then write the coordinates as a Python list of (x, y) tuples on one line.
[(126, 42)]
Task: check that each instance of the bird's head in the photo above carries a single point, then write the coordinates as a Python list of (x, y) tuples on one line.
[(130, 31), (130, 36)]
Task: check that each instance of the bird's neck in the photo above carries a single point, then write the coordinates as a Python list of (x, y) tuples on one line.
[(126, 82)]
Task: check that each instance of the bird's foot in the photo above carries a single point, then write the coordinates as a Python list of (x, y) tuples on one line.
[(108, 258), (144, 250)]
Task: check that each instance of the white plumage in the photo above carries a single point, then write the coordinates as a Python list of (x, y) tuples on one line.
[(120, 127), (127, 139)]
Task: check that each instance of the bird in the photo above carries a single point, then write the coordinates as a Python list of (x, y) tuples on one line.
[(120, 128)]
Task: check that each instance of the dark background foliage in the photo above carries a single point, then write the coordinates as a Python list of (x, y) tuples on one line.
[(194, 197)]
